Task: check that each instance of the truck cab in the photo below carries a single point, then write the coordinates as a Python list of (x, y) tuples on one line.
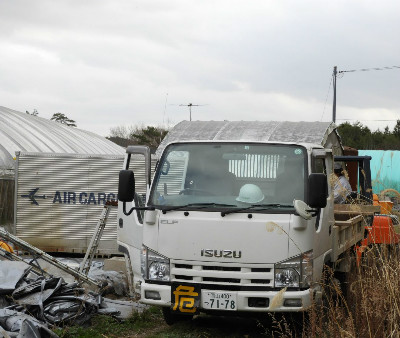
[(231, 223)]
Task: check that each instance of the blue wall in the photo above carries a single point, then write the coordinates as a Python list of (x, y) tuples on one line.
[(385, 169)]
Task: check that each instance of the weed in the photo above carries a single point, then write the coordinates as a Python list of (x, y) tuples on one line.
[(105, 326), (368, 307)]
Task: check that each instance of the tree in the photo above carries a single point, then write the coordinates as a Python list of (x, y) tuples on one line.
[(34, 113), (61, 118), (150, 136), (354, 135), (396, 130), (360, 137), (119, 131), (386, 132), (120, 136)]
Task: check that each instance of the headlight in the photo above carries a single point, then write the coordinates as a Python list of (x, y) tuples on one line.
[(295, 272), (154, 266)]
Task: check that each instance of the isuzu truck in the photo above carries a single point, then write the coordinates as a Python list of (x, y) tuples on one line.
[(238, 217)]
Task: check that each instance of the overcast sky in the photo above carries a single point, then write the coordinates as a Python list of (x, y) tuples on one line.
[(113, 63)]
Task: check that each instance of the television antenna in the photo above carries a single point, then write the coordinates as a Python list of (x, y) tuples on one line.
[(190, 105)]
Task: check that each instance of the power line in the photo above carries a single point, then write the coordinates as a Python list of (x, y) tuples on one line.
[(366, 120), (368, 69), (341, 74), (326, 99)]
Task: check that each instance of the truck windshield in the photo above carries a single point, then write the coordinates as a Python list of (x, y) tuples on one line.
[(229, 175)]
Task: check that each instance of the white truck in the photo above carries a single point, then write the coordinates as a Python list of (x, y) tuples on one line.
[(236, 213)]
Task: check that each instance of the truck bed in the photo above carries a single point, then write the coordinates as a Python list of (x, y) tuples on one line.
[(349, 227)]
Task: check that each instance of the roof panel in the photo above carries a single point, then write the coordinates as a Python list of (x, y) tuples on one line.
[(24, 132), (256, 131)]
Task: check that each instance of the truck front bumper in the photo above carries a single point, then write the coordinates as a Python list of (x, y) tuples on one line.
[(268, 301)]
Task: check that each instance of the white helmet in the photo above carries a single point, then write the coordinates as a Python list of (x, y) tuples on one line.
[(250, 193)]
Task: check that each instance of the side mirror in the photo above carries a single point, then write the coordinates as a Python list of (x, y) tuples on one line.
[(317, 190), (302, 209), (126, 186)]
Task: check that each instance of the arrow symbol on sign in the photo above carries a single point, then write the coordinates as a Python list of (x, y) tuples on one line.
[(32, 196)]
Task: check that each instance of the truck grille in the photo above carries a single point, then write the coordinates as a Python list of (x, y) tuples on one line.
[(223, 273)]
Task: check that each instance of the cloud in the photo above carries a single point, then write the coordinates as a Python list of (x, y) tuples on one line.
[(107, 63)]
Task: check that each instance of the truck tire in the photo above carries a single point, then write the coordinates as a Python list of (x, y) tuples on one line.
[(171, 318)]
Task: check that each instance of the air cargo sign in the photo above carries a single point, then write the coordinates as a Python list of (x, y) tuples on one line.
[(71, 197)]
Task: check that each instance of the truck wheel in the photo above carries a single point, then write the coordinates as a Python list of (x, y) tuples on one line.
[(172, 318)]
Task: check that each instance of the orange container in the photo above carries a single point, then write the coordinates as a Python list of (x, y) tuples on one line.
[(382, 231), (386, 207)]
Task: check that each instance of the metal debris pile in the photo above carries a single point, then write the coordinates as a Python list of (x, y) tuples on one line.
[(31, 303), (40, 292)]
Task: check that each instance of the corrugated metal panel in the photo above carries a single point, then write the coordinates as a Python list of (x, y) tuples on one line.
[(385, 173), (72, 191), (24, 132), (256, 131), (258, 166)]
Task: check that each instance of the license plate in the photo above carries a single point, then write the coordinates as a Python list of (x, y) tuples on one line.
[(219, 300)]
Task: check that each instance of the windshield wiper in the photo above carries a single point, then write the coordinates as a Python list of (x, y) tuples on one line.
[(202, 205), (254, 206)]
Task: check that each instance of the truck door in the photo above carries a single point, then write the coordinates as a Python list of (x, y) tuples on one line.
[(322, 162), (130, 228)]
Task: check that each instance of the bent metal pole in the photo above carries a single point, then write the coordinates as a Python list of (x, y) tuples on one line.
[(46, 257)]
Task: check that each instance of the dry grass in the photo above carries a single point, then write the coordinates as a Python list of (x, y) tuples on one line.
[(362, 303), (366, 303), (369, 303)]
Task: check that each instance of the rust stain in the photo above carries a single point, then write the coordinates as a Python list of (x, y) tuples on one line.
[(272, 226)]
